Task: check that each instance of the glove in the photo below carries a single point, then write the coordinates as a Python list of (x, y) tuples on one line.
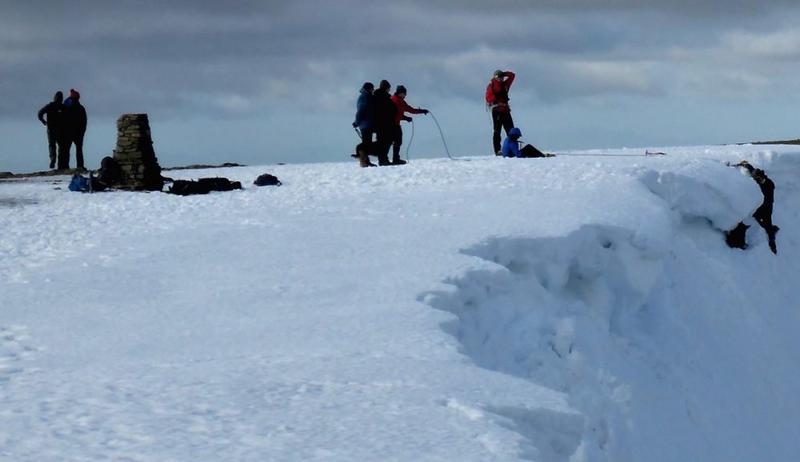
[(424, 111), (355, 125), (407, 119)]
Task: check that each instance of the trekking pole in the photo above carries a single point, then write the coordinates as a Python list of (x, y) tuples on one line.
[(441, 134)]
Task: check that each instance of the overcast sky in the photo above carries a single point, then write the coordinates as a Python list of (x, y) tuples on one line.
[(276, 81)]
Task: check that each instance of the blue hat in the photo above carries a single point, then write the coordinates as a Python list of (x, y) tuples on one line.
[(515, 132)]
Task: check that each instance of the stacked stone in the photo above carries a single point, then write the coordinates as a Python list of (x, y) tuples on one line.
[(135, 154)]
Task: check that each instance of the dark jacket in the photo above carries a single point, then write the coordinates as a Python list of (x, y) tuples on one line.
[(52, 115), (768, 190), (365, 111), (75, 119), (385, 110)]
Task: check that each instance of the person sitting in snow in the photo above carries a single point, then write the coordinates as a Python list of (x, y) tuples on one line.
[(511, 146)]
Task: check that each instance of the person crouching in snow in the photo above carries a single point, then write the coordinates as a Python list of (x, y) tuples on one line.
[(511, 146), (399, 100)]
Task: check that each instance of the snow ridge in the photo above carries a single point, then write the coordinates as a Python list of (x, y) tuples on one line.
[(606, 316)]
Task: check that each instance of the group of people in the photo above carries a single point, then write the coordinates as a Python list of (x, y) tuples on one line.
[(378, 113), (497, 101), (378, 118), (66, 125)]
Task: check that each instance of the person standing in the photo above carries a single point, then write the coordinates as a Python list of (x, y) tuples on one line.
[(75, 122), (365, 123), (399, 100), (385, 112), (52, 117), (497, 99)]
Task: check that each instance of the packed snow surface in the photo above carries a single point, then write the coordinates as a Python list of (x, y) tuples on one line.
[(577, 308)]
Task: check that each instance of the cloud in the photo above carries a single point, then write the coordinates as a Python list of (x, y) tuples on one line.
[(781, 45), (232, 59)]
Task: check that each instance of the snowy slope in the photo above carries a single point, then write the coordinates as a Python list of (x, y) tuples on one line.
[(581, 308)]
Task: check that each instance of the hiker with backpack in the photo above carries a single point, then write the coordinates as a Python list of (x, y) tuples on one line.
[(497, 100), (52, 117), (365, 123), (399, 100)]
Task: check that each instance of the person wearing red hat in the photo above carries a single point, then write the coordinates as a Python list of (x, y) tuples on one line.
[(75, 121)]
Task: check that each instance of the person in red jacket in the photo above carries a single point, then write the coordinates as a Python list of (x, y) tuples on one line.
[(399, 100), (497, 100)]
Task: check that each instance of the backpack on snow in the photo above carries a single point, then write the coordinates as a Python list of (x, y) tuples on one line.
[(203, 186), (79, 184), (267, 180)]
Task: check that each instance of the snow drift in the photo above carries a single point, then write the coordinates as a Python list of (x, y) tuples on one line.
[(566, 309)]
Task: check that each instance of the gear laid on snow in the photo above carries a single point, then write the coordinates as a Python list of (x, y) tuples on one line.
[(267, 180)]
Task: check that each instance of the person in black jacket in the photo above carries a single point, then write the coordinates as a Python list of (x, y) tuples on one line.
[(385, 111), (75, 122), (52, 117), (762, 215)]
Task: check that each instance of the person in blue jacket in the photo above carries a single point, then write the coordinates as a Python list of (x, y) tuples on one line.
[(511, 146), (365, 122), (511, 143)]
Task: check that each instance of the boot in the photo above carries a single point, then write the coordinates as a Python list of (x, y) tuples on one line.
[(398, 161), (363, 161), (383, 161)]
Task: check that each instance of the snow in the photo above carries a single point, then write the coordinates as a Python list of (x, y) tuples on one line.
[(578, 308)]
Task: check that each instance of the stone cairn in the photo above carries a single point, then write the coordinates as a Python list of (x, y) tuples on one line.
[(135, 156)]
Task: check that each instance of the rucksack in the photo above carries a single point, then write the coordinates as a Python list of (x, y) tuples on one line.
[(203, 186), (493, 96), (489, 95), (267, 180), (79, 184)]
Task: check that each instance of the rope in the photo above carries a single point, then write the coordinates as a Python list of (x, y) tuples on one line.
[(602, 155), (646, 154), (408, 146), (442, 135)]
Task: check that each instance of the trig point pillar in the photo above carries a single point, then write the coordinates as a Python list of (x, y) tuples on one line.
[(135, 155)]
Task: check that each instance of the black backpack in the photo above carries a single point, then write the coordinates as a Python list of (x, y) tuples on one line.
[(267, 180), (202, 186)]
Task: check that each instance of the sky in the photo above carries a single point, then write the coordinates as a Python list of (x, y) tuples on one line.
[(260, 82)]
